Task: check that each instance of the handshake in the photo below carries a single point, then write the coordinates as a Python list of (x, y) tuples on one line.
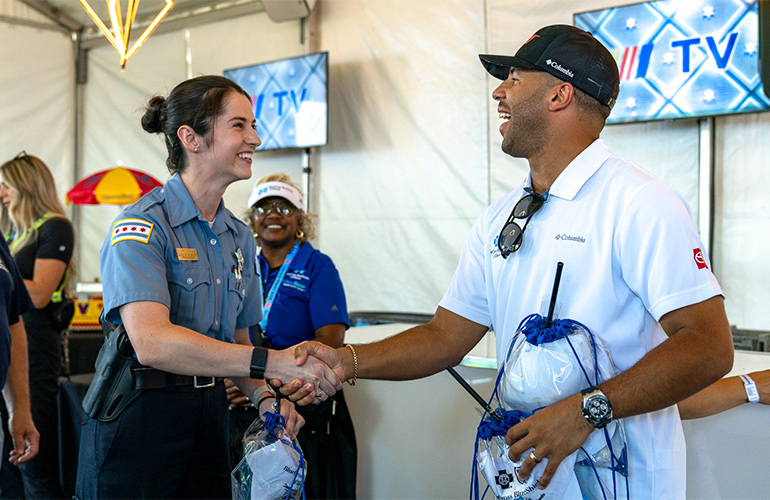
[(314, 370)]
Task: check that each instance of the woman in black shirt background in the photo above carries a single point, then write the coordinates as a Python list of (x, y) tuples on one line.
[(41, 240)]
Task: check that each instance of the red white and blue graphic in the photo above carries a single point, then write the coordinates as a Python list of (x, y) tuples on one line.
[(681, 59), (131, 229)]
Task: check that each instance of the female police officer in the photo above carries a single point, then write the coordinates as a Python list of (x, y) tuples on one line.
[(179, 274)]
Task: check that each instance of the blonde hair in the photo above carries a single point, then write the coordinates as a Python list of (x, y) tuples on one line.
[(35, 196), (306, 224)]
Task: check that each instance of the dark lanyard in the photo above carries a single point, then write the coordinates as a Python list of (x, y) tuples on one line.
[(273, 293)]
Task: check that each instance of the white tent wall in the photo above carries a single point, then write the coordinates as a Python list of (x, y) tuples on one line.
[(37, 80), (404, 174)]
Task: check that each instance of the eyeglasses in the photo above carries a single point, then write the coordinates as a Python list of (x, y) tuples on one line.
[(281, 207), (510, 237)]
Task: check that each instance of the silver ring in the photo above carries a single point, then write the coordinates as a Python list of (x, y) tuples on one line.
[(319, 394), (534, 458)]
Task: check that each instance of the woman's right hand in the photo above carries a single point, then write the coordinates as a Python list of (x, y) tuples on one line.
[(293, 421), (314, 369)]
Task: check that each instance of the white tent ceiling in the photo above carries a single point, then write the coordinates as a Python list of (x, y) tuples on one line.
[(70, 14)]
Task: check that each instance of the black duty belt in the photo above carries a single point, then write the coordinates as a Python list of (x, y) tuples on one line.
[(150, 378)]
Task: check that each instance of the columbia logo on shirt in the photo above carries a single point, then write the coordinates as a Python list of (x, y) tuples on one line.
[(131, 229)]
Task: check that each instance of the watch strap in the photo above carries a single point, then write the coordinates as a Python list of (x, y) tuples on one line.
[(751, 388), (258, 363)]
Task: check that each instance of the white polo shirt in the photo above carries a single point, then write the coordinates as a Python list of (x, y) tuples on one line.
[(631, 253)]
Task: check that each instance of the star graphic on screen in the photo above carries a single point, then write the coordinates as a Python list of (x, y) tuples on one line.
[(630, 23), (668, 58), (709, 95), (708, 12), (749, 49), (631, 103)]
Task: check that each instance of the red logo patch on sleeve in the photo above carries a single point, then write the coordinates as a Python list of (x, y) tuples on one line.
[(697, 254)]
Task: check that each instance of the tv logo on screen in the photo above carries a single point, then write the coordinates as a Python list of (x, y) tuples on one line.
[(258, 101), (630, 58)]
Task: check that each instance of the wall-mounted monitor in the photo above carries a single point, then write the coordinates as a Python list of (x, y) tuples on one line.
[(289, 99), (682, 58)]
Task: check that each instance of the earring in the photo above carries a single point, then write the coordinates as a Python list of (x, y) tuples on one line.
[(196, 149), (299, 234)]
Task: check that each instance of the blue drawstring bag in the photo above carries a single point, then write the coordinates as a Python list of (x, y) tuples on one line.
[(272, 467)]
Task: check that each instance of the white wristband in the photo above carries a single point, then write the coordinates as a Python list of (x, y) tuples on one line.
[(751, 388)]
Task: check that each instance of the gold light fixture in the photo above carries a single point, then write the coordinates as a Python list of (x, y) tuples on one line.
[(120, 31)]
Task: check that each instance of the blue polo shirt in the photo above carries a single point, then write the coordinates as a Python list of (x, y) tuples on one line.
[(310, 296), (14, 301), (161, 249)]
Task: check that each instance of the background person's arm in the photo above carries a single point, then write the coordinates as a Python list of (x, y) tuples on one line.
[(724, 394), (26, 438), (45, 280)]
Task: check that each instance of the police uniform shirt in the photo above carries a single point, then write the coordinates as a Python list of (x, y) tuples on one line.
[(631, 254), (161, 249), (310, 296), (14, 301)]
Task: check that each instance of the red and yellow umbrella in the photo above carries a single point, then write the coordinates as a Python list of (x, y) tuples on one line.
[(116, 186)]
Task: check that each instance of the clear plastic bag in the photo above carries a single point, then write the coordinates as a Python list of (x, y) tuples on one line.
[(543, 368), (501, 472), (548, 361), (273, 467)]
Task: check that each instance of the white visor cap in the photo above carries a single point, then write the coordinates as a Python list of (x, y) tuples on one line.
[(280, 189)]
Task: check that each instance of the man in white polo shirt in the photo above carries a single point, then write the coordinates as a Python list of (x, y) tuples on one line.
[(634, 271)]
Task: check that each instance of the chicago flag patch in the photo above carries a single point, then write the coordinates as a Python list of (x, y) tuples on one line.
[(131, 229)]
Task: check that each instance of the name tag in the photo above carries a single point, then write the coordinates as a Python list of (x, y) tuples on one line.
[(187, 254)]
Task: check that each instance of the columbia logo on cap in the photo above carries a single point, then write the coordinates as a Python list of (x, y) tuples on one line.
[(559, 67)]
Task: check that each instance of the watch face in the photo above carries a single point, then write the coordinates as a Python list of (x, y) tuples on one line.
[(597, 410), (598, 407)]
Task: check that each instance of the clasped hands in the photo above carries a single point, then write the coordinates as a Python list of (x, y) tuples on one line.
[(313, 370)]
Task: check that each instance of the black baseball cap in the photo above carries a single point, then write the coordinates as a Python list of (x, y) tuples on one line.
[(568, 53)]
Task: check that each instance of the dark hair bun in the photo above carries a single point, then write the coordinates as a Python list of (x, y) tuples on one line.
[(154, 116)]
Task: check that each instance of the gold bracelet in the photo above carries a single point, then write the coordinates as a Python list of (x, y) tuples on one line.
[(355, 365)]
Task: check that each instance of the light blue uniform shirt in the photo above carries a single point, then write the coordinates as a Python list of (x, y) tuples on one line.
[(161, 249)]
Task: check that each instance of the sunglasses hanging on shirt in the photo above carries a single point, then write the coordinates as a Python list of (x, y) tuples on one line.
[(511, 236)]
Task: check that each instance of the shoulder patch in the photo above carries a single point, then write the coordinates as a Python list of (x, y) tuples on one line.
[(131, 229)]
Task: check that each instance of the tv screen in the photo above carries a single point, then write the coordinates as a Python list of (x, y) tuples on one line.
[(289, 100), (681, 59)]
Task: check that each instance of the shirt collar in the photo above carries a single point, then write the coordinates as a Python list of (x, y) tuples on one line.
[(185, 210), (579, 170)]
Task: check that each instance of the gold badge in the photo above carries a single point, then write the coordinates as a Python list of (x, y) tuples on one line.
[(187, 254)]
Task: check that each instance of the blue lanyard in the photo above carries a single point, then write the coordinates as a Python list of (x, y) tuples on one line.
[(273, 293)]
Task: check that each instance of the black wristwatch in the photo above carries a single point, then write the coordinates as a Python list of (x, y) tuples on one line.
[(258, 363), (596, 407)]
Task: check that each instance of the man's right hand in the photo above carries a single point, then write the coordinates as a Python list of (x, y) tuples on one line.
[(311, 365), (306, 353)]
